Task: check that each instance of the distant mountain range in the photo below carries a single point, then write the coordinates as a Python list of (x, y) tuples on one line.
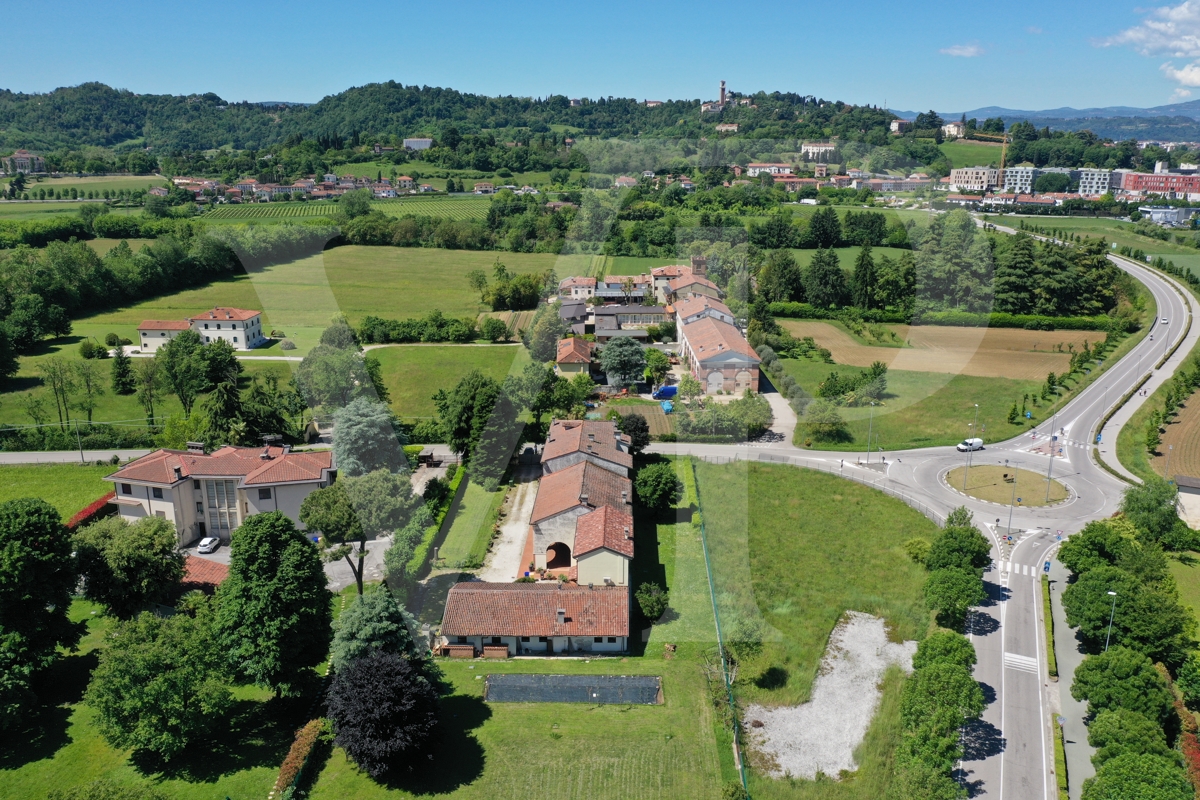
[(1175, 122)]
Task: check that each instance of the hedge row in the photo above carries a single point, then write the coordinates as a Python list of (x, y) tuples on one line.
[(962, 319), (420, 556), (100, 507), (297, 756)]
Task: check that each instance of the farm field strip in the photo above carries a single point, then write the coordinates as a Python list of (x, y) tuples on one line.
[(467, 208), (980, 352)]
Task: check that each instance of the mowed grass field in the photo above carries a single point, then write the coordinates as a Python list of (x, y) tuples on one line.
[(67, 487), (964, 153), (98, 183), (413, 373), (459, 208), (1185, 567), (792, 550), (982, 352), (987, 482)]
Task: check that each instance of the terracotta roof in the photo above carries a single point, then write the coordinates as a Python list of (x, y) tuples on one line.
[(574, 351), (200, 573), (565, 489), (164, 325), (576, 281), (694, 305), (531, 609), (605, 527), (228, 462), (573, 435), (672, 271), (691, 280), (710, 337), (221, 313), (1187, 482)]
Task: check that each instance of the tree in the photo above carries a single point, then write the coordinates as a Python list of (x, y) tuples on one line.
[(637, 429), (657, 366), (652, 599), (184, 368), (123, 380), (383, 502), (332, 377), (499, 436), (623, 361), (937, 686), (959, 548), (824, 229), (1132, 777), (781, 279), (37, 577), (59, 375), (356, 203), (383, 711), (150, 383), (493, 329), (1123, 678), (339, 334), (864, 278), (159, 686), (222, 413), (374, 622), (274, 613), (330, 512), (90, 383), (1118, 731), (689, 387), (220, 362), (951, 593), (1144, 617), (366, 438), (945, 646), (1052, 182), (543, 334), (657, 486), (464, 411), (126, 566), (1099, 544), (824, 281), (477, 280), (1151, 507), (824, 422)]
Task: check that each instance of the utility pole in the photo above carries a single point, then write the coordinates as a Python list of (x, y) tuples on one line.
[(1012, 501), (970, 453), (870, 427), (1170, 447), (1111, 614), (1050, 466), (79, 442)]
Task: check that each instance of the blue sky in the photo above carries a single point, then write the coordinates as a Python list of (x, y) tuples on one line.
[(912, 55)]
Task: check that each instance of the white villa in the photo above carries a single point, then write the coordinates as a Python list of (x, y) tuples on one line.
[(238, 326)]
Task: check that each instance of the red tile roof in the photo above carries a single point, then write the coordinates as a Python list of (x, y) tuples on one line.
[(563, 490), (164, 325), (201, 573), (691, 280), (228, 462), (595, 437), (221, 313), (531, 609), (672, 271), (694, 305), (576, 281), (605, 527), (574, 351), (708, 337)]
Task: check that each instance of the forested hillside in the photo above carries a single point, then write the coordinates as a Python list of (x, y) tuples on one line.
[(95, 114)]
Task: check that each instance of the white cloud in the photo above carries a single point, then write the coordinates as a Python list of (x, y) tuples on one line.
[(1180, 94), (1034, 29), (1187, 75), (962, 50), (1167, 30)]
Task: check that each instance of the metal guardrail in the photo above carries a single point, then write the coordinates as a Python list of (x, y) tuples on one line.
[(881, 484)]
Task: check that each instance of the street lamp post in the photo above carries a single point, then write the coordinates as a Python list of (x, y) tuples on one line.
[(1012, 500), (1170, 447), (1111, 614), (970, 453), (1050, 466), (870, 430)]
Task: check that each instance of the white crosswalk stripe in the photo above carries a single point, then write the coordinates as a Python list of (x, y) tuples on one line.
[(1024, 569), (1022, 663)]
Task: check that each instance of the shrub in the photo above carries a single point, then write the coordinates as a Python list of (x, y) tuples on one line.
[(297, 755), (287, 344), (658, 486), (652, 599)]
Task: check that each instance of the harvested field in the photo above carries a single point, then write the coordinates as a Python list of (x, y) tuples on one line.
[(517, 321), (982, 352), (656, 418), (1183, 434)]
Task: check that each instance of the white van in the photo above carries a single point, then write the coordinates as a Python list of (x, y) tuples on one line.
[(970, 444)]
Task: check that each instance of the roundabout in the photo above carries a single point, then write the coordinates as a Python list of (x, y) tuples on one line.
[(1004, 486)]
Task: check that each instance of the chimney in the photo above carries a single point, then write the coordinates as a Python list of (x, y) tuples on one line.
[(196, 447), (625, 499), (287, 448), (591, 437), (562, 616), (583, 498), (722, 92), (627, 536), (178, 473)]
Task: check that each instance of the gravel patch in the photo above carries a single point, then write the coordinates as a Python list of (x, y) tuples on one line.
[(820, 736), (503, 563)]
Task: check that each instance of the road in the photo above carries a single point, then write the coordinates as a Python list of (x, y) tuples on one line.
[(1010, 753)]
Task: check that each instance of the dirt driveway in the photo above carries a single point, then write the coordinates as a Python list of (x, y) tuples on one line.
[(503, 564), (982, 352)]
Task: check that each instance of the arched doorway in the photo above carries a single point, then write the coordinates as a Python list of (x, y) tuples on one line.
[(716, 382), (558, 556), (742, 381)]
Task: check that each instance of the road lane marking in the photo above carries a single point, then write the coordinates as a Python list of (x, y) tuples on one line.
[(1022, 663)]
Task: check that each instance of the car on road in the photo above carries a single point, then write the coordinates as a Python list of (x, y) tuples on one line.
[(1164, 320), (970, 444), (208, 544)]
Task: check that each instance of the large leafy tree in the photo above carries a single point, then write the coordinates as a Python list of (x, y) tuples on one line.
[(624, 361), (824, 281), (959, 547), (1118, 731), (1130, 776), (374, 622), (947, 647), (1123, 678), (383, 711), (780, 279), (1016, 266), (1150, 506), (1103, 543), (159, 686), (332, 376), (542, 336), (499, 438), (637, 429), (37, 576), (126, 566), (825, 229), (951, 593), (274, 610), (464, 411), (366, 438), (658, 486), (185, 367), (864, 281)]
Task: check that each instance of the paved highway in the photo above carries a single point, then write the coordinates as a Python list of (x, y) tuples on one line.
[(1010, 755)]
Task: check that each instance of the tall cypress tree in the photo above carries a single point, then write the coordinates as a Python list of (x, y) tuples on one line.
[(864, 278), (122, 372)]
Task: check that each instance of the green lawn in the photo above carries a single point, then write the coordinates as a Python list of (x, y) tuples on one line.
[(97, 183), (632, 265), (414, 373), (62, 747), (963, 153), (1185, 567), (67, 487), (470, 527), (792, 550)]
